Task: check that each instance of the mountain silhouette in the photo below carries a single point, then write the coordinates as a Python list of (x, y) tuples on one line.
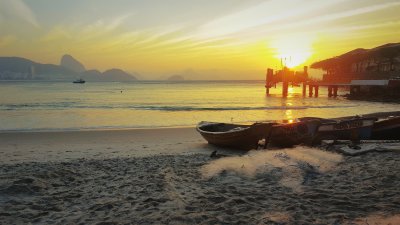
[(117, 75), (109, 75), (176, 78), (71, 63), (16, 68)]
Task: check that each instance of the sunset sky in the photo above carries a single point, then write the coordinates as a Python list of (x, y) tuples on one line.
[(224, 39)]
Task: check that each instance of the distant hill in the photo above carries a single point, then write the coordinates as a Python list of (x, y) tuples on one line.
[(15, 64), (109, 75), (176, 78), (117, 75), (16, 68), (91, 75), (72, 64)]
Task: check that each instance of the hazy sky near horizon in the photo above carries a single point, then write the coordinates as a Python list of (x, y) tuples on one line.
[(232, 39)]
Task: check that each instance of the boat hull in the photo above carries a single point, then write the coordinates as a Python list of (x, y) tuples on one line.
[(352, 129), (288, 135), (244, 137), (79, 81), (386, 129)]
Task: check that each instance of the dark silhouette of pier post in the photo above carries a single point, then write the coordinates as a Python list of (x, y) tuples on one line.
[(269, 80), (304, 89), (335, 90)]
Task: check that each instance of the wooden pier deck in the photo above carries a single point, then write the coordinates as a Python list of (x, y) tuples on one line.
[(286, 76)]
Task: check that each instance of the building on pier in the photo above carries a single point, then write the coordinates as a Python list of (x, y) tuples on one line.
[(380, 63), (364, 72)]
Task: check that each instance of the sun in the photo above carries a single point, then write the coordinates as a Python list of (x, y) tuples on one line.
[(293, 59), (292, 51)]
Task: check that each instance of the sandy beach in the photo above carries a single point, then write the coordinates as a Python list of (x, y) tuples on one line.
[(166, 176), (18, 147)]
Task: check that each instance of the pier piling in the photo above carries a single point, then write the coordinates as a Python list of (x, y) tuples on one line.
[(335, 90), (310, 90), (268, 80), (285, 87)]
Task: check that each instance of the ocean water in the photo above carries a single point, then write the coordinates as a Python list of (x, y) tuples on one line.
[(43, 105)]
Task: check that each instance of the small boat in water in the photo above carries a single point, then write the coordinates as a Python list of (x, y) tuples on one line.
[(236, 136), (79, 81), (290, 134), (356, 128)]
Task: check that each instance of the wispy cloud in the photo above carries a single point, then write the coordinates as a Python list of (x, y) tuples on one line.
[(340, 15), (274, 16), (18, 9), (273, 13), (98, 29), (107, 25), (55, 34)]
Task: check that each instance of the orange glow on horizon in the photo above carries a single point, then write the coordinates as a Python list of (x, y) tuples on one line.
[(216, 40)]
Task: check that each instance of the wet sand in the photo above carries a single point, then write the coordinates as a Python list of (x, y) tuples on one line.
[(17, 147), (176, 182)]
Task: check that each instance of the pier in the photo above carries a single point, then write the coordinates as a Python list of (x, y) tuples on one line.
[(366, 73), (287, 76), (312, 87)]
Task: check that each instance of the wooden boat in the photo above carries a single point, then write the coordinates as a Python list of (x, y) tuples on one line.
[(378, 115), (236, 136), (290, 134), (386, 129), (356, 128)]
